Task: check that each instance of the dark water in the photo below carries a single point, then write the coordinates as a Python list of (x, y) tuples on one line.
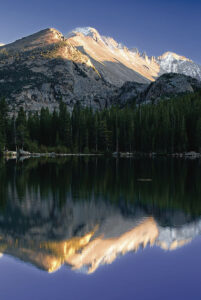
[(100, 229)]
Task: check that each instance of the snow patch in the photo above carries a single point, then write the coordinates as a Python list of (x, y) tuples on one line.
[(87, 31), (172, 62)]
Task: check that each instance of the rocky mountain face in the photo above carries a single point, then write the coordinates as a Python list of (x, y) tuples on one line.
[(105, 50), (166, 86), (115, 62), (172, 63), (43, 68), (169, 85), (129, 93)]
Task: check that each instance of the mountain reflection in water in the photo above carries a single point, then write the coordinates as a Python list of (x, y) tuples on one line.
[(87, 212)]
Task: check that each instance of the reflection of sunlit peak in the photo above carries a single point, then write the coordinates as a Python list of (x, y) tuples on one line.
[(3, 248), (60, 251), (174, 245), (55, 265), (88, 252), (177, 244), (104, 251)]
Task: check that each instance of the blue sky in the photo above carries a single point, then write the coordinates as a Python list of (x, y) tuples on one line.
[(151, 25)]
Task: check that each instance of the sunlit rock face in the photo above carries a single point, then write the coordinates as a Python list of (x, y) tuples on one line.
[(171, 56), (171, 62), (41, 69), (37, 40), (115, 62)]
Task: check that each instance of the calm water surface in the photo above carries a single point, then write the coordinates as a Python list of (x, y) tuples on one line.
[(80, 228)]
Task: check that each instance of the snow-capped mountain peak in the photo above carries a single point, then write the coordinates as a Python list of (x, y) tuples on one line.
[(111, 56), (172, 62), (86, 32), (113, 60), (170, 56)]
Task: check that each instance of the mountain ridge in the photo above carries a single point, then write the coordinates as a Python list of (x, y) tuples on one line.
[(177, 63), (50, 36), (41, 69)]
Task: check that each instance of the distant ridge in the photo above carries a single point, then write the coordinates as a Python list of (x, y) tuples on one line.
[(41, 69)]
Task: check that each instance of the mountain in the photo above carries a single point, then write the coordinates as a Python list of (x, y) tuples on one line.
[(173, 63), (41, 69), (166, 86), (40, 39), (115, 62), (169, 85), (44, 68), (104, 50)]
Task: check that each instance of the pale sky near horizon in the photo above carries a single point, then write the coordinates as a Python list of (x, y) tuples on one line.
[(154, 26)]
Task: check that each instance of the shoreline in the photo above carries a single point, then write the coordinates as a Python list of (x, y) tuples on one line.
[(185, 155)]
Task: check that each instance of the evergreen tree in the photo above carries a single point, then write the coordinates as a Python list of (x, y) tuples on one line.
[(22, 133), (198, 134), (45, 127), (3, 124)]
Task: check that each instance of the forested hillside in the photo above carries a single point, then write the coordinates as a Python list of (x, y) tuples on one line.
[(166, 127)]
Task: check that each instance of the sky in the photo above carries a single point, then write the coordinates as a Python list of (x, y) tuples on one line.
[(154, 26)]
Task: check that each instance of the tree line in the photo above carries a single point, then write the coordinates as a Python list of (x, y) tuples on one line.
[(167, 126)]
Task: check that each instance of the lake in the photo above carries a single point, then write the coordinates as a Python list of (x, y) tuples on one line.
[(100, 228)]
